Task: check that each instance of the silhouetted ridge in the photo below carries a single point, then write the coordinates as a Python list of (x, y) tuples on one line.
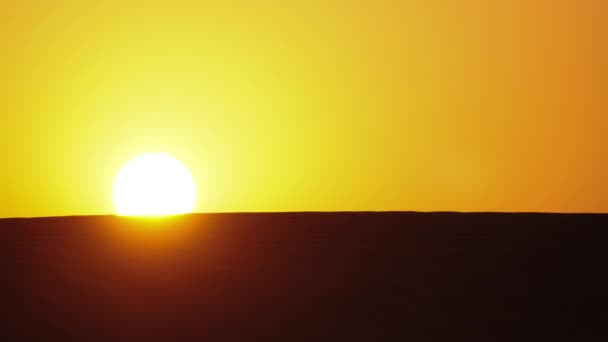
[(307, 276)]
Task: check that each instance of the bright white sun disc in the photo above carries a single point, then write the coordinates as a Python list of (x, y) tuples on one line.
[(153, 184)]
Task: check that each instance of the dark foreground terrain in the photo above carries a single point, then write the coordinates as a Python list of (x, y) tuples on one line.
[(306, 276)]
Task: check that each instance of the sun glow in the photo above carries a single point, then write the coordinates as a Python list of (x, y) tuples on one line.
[(154, 184)]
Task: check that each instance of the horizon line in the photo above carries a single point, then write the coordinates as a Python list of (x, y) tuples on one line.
[(313, 212)]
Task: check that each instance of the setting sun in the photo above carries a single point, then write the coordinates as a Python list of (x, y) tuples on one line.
[(154, 184)]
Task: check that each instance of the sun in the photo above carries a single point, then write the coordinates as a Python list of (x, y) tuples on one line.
[(153, 184)]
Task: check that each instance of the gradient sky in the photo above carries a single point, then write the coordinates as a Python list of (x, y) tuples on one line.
[(468, 105)]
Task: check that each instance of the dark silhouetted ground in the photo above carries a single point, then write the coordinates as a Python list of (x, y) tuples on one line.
[(306, 276)]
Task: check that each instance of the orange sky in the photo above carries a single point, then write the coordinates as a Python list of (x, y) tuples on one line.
[(469, 105)]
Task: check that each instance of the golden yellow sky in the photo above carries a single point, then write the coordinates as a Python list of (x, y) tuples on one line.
[(469, 105)]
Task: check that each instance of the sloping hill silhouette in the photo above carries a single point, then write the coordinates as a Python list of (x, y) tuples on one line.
[(307, 276)]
